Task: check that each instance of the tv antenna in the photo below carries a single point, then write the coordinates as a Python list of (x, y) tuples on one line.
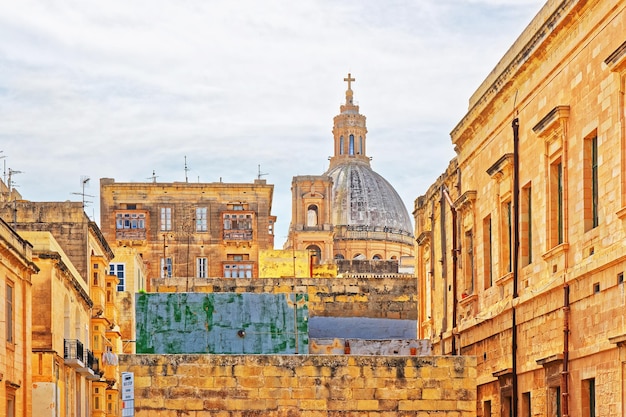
[(10, 183), (84, 180), (186, 169), (259, 175), (153, 177), (4, 172)]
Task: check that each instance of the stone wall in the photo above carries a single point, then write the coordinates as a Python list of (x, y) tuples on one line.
[(294, 385), (232, 323), (389, 298)]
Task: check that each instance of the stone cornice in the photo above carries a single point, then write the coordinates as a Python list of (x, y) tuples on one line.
[(501, 164), (617, 60), (552, 120)]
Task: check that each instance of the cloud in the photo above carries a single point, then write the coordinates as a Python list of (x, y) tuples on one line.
[(119, 89)]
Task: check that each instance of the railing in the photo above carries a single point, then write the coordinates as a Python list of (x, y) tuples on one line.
[(73, 350), (237, 234), (368, 233), (74, 353), (130, 234), (93, 363)]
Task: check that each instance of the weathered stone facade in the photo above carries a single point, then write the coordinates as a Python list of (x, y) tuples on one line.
[(190, 229), (86, 336), (16, 272), (295, 385), (543, 312)]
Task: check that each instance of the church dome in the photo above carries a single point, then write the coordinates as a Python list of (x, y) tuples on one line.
[(361, 198)]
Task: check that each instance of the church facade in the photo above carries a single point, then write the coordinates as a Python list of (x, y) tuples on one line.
[(350, 212)]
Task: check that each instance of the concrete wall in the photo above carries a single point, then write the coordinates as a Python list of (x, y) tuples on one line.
[(390, 298), (221, 323), (362, 328), (295, 385)]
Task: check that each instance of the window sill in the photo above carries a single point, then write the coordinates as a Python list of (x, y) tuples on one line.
[(468, 300), (504, 279), (621, 213), (556, 251)]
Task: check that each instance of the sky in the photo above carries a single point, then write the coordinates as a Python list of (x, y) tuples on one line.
[(124, 89)]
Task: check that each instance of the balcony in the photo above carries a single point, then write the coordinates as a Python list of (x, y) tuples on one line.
[(244, 234), (74, 353), (94, 365)]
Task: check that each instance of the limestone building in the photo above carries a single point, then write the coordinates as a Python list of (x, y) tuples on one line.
[(350, 212), (190, 231), (16, 272), (521, 254), (63, 362), (77, 316)]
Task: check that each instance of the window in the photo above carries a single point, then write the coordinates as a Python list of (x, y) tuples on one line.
[(237, 270), (487, 255), (237, 226), (201, 267), (351, 147), (130, 221), (506, 246), (10, 315), (487, 409), (360, 145), (526, 232), (311, 219), (526, 405), (201, 219), (468, 263), (588, 398), (556, 204), (341, 145), (590, 182), (166, 267), (10, 405), (166, 218), (554, 401), (119, 271)]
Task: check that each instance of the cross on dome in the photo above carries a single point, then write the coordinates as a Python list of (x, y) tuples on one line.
[(349, 80)]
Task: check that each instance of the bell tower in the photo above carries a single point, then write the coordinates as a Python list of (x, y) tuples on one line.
[(349, 131)]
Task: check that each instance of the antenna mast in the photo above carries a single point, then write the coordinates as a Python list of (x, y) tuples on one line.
[(4, 172), (153, 177), (186, 169), (259, 175), (83, 182), (10, 183)]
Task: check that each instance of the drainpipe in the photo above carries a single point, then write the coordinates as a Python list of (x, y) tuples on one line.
[(444, 264), (565, 372), (515, 126), (446, 194), (432, 265)]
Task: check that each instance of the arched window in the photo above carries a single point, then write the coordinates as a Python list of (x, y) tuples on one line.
[(339, 256), (67, 319), (360, 145), (341, 145), (359, 257), (351, 150), (311, 216), (315, 254), (377, 257)]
